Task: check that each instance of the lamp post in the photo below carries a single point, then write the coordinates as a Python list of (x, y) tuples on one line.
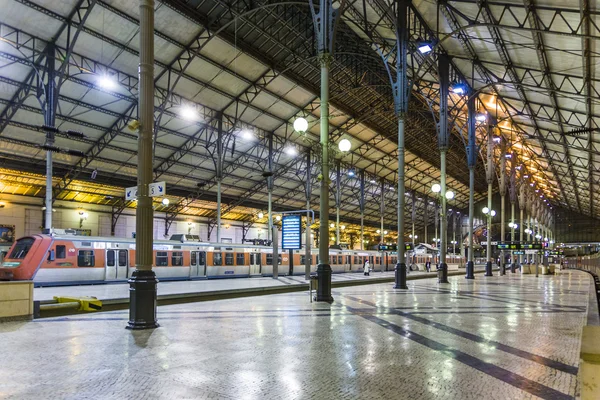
[(489, 214), (443, 195)]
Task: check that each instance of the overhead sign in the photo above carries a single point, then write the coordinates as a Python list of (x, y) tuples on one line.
[(131, 193), (154, 190), (509, 246), (157, 189), (532, 246), (291, 232)]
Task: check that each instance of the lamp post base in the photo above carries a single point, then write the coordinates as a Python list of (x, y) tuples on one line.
[(400, 276), (470, 270), (488, 269), (443, 273), (324, 283), (142, 300)]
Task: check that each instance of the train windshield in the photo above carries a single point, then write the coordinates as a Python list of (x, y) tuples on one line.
[(21, 248)]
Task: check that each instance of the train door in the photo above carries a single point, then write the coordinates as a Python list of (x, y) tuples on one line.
[(254, 263), (117, 263), (197, 263)]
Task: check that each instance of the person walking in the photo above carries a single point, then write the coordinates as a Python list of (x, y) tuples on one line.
[(367, 268)]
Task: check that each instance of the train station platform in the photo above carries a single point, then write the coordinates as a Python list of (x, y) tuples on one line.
[(117, 294), (508, 337)]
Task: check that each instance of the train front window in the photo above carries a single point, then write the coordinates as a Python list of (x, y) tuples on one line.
[(21, 248)]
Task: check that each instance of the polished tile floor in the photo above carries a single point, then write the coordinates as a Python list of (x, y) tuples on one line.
[(512, 337), (121, 290)]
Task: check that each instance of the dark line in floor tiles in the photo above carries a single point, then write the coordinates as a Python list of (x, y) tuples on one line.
[(475, 338), (518, 381)]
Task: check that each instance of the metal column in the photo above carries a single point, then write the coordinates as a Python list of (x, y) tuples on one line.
[(472, 151), (270, 186), (50, 120), (490, 180), (443, 143), (362, 209), (324, 22), (308, 245), (502, 203), (142, 290), (338, 200), (401, 93)]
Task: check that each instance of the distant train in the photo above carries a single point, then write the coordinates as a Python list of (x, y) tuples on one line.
[(67, 259)]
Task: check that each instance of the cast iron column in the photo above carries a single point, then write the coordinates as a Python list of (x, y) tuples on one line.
[(472, 151), (502, 203), (324, 22), (308, 245), (142, 284), (362, 209), (443, 143), (401, 93), (490, 180), (522, 204), (50, 120), (338, 200)]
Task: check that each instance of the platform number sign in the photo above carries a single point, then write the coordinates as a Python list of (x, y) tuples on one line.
[(291, 232)]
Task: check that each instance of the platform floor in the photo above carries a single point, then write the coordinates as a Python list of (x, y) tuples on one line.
[(121, 290), (510, 337)]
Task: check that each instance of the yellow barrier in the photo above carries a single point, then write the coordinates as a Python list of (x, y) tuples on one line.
[(84, 303)]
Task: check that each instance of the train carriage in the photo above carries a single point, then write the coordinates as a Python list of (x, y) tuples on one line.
[(68, 259)]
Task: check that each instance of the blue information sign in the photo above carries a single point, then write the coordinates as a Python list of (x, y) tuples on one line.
[(291, 232)]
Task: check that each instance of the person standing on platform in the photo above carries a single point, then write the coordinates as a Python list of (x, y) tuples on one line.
[(367, 268)]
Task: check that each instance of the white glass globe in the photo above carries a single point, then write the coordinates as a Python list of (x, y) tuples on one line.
[(345, 145), (261, 215), (485, 210), (300, 125), (449, 194), (332, 225), (493, 213), (165, 201), (436, 188)]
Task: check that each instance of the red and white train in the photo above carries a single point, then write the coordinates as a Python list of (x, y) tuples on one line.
[(66, 259)]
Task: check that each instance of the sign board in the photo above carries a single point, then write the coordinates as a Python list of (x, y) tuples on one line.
[(519, 252), (531, 251), (131, 193), (291, 232), (154, 190), (532, 246), (157, 189), (509, 246)]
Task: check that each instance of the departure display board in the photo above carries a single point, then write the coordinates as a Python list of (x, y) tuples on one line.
[(509, 246), (291, 232), (531, 246)]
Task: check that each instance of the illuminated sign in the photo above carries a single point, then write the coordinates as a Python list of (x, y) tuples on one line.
[(291, 232), (531, 246)]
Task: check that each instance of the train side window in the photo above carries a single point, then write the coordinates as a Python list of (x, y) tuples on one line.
[(302, 260), (86, 258), (269, 259), (162, 259), (110, 258), (217, 259), (194, 258), (340, 259), (61, 251), (177, 259), (122, 258), (356, 260), (228, 258), (202, 258), (239, 259)]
